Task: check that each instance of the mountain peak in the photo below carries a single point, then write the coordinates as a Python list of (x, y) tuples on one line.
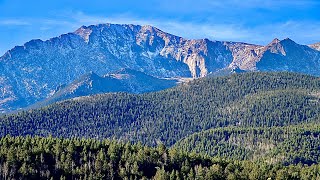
[(275, 47), (274, 41), (84, 32), (287, 41), (105, 48), (281, 46)]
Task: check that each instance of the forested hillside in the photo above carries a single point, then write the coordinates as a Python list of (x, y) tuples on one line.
[(244, 100), (289, 145), (51, 158)]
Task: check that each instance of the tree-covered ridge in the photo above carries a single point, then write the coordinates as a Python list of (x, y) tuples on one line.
[(288, 145), (250, 99), (52, 158)]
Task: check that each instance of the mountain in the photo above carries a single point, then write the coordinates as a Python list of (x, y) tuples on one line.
[(315, 46), (286, 55), (280, 55), (243, 100), (124, 80), (32, 72), (139, 82)]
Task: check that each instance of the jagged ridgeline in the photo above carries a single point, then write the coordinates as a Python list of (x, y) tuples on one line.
[(33, 72), (51, 158), (289, 145), (244, 100)]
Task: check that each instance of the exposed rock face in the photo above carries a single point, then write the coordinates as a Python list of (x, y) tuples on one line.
[(279, 55), (244, 55), (286, 55), (32, 72), (315, 46)]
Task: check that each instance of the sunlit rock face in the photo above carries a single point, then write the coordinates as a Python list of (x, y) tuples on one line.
[(32, 72)]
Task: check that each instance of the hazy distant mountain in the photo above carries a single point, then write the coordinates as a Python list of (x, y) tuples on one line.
[(125, 80), (32, 72)]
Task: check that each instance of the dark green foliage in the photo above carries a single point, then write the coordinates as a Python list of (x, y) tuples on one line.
[(289, 145), (246, 100), (267, 118), (51, 158)]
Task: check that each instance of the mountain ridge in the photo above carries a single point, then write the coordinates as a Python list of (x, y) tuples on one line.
[(124, 80), (315, 46), (254, 99), (31, 73)]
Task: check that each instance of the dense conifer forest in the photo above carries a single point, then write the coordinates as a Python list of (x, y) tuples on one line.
[(243, 126), (245, 100), (288, 145), (52, 158)]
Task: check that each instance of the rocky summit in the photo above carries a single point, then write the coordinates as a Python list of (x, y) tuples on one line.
[(33, 72)]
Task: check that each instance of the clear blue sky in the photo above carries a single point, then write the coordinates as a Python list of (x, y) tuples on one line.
[(253, 21)]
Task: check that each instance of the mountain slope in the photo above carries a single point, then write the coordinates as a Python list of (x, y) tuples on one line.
[(280, 55), (32, 72), (125, 80), (286, 55), (315, 46), (246, 100), (289, 144)]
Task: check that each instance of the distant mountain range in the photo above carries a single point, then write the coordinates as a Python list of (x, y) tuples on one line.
[(64, 66)]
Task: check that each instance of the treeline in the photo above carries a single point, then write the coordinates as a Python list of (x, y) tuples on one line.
[(245, 100), (287, 145), (52, 158)]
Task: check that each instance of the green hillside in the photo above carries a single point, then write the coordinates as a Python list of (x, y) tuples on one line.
[(289, 145), (245, 100)]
